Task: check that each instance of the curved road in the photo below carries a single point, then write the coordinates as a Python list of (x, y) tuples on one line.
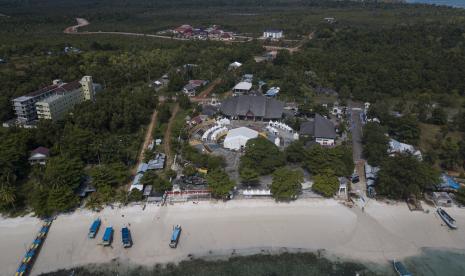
[(83, 22)]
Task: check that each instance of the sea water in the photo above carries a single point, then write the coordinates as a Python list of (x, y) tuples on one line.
[(452, 3), (431, 262)]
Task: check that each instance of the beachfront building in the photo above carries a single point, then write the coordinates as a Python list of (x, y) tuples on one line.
[(54, 101), (321, 129), (238, 137), (273, 34), (249, 107)]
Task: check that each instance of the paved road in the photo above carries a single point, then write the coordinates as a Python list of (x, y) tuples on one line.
[(356, 129)]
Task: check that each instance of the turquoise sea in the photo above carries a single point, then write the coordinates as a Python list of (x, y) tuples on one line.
[(452, 3)]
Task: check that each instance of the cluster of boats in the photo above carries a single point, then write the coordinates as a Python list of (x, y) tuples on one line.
[(33, 250), (126, 238), (107, 238)]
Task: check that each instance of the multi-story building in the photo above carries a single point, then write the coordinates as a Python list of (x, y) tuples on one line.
[(54, 101), (56, 106)]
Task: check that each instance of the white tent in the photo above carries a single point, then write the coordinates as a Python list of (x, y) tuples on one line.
[(238, 137)]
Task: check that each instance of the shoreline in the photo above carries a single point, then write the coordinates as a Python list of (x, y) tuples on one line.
[(213, 230)]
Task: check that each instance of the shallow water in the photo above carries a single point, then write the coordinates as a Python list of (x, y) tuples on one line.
[(430, 262)]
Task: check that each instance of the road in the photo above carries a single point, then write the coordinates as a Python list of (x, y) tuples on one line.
[(167, 138), (208, 90), (83, 22), (357, 149), (147, 139)]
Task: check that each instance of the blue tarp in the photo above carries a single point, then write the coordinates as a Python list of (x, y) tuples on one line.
[(448, 182), (273, 91)]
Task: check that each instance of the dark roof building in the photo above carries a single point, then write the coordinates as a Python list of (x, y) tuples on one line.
[(320, 128), (252, 107)]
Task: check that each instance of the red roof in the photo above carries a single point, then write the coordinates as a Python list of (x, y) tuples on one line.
[(197, 82), (41, 150), (42, 90)]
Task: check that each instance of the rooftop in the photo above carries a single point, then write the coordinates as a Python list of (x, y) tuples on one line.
[(258, 106), (243, 86)]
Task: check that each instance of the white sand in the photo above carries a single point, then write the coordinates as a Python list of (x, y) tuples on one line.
[(381, 233)]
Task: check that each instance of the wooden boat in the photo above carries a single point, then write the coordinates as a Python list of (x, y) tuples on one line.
[(400, 268), (447, 218)]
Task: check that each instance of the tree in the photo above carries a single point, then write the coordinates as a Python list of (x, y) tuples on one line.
[(249, 176), (189, 170), (460, 195), (439, 116), (375, 143), (158, 183), (7, 196), (262, 155), (219, 183), (61, 171), (286, 183), (326, 183), (450, 154), (295, 152), (404, 175), (135, 195), (339, 159)]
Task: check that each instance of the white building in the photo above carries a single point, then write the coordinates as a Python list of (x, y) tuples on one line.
[(273, 34), (238, 137), (242, 88)]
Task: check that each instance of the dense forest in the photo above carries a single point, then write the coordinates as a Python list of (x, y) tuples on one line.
[(405, 58)]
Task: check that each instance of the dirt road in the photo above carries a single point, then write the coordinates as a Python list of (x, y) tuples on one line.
[(167, 138), (147, 139), (81, 22), (208, 90)]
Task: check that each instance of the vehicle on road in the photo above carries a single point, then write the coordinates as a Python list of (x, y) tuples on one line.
[(126, 238), (94, 228), (107, 236), (401, 269), (447, 218), (175, 236)]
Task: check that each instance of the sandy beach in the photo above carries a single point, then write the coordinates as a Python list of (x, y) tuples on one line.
[(379, 234)]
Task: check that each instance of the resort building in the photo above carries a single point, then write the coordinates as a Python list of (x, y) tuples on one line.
[(273, 34), (321, 129), (54, 101), (249, 107), (56, 106)]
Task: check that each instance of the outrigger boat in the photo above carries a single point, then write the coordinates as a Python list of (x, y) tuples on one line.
[(400, 268), (447, 218)]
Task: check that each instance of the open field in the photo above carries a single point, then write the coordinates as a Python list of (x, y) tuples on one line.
[(379, 234)]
